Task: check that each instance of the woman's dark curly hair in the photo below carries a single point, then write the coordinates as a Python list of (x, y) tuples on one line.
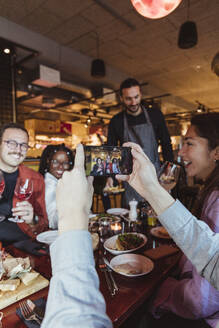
[(48, 154)]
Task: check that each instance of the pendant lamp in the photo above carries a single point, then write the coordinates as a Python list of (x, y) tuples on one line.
[(155, 9), (188, 35), (98, 69)]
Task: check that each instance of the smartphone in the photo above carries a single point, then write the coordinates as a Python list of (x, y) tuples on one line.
[(107, 160)]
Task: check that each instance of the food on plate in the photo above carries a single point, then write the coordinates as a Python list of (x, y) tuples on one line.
[(28, 277), (13, 271), (113, 189), (14, 265), (128, 241), (9, 284), (163, 232), (127, 268)]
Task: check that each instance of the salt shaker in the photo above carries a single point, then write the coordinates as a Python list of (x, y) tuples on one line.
[(133, 210)]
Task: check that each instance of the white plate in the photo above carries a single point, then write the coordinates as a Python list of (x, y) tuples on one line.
[(91, 216), (136, 261), (156, 232), (48, 237), (109, 244), (100, 218), (117, 211)]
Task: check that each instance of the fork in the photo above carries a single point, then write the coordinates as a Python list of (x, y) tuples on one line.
[(28, 313)]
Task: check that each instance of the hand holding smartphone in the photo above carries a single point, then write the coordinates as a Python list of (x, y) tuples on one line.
[(107, 160)]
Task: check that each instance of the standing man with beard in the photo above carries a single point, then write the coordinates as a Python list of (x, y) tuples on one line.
[(13, 148), (142, 125)]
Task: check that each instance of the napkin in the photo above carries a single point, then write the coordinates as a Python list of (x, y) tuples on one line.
[(161, 251), (32, 324), (32, 247)]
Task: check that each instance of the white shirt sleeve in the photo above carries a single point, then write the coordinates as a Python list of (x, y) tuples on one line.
[(74, 298), (194, 237)]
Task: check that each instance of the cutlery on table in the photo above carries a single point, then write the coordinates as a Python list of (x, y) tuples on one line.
[(28, 313), (103, 268), (110, 274), (39, 311)]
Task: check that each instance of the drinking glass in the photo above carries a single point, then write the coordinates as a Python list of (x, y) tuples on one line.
[(104, 229), (23, 191), (168, 175), (2, 188)]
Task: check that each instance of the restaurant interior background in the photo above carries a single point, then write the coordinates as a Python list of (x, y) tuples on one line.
[(46, 79)]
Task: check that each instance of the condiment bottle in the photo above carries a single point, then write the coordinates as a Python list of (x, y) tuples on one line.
[(133, 210)]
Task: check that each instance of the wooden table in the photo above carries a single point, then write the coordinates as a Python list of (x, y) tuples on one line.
[(132, 291)]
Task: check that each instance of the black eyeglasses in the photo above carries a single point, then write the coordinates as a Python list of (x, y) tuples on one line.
[(12, 144), (57, 163)]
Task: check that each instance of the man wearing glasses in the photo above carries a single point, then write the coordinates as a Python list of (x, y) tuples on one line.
[(20, 219)]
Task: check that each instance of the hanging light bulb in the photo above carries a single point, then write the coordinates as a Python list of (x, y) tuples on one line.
[(155, 8)]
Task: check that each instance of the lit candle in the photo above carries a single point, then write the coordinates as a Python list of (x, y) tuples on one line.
[(116, 227)]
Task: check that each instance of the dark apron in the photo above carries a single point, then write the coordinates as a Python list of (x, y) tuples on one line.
[(10, 233), (144, 136)]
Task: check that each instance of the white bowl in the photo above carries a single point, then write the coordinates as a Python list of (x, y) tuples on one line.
[(136, 261), (47, 237), (109, 244)]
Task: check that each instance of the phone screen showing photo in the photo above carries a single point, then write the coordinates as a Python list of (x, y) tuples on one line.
[(107, 160)]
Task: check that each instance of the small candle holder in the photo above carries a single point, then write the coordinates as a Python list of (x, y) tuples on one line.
[(116, 228)]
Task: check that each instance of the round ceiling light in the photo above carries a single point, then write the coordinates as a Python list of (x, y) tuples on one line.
[(155, 8)]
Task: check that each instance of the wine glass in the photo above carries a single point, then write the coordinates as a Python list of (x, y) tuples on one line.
[(2, 188), (23, 191), (168, 175)]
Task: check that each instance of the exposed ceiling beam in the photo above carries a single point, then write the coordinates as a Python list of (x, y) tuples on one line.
[(103, 4)]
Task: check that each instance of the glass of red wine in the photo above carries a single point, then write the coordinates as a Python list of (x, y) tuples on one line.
[(23, 191), (2, 188)]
